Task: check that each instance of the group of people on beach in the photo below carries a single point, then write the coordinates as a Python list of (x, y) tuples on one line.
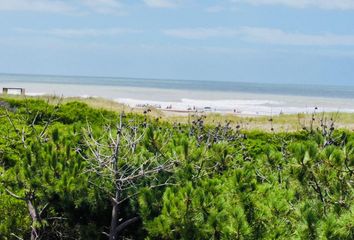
[(189, 109)]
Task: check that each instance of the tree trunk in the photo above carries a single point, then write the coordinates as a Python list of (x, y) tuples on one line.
[(35, 219), (114, 220), (115, 208)]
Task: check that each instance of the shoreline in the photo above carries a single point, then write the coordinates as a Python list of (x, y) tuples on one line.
[(181, 102)]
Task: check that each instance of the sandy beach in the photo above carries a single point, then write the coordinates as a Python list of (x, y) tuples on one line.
[(177, 101)]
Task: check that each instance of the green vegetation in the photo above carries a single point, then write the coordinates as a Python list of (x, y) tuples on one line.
[(67, 168)]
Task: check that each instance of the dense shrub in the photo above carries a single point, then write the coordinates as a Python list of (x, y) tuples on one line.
[(225, 184)]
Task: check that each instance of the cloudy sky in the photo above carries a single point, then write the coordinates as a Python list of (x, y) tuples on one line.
[(290, 41)]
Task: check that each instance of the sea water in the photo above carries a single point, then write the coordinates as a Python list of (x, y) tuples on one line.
[(217, 96)]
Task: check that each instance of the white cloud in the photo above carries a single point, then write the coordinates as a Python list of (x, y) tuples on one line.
[(35, 5), (85, 32), (324, 4), (277, 36), (60, 6), (103, 6), (161, 3), (201, 33), (215, 9), (264, 35)]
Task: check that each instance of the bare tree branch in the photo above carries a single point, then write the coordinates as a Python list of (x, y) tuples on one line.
[(113, 157), (14, 195)]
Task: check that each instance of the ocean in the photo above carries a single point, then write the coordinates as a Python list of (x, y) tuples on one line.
[(215, 96)]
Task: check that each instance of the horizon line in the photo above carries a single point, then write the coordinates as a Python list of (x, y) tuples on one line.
[(172, 79)]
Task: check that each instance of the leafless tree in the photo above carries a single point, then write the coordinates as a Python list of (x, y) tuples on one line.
[(114, 158)]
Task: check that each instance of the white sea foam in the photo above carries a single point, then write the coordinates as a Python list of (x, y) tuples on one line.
[(240, 106), (182, 100)]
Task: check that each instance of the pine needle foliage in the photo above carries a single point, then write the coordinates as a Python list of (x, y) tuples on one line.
[(222, 182)]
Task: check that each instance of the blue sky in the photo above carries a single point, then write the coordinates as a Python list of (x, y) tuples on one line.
[(285, 41)]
